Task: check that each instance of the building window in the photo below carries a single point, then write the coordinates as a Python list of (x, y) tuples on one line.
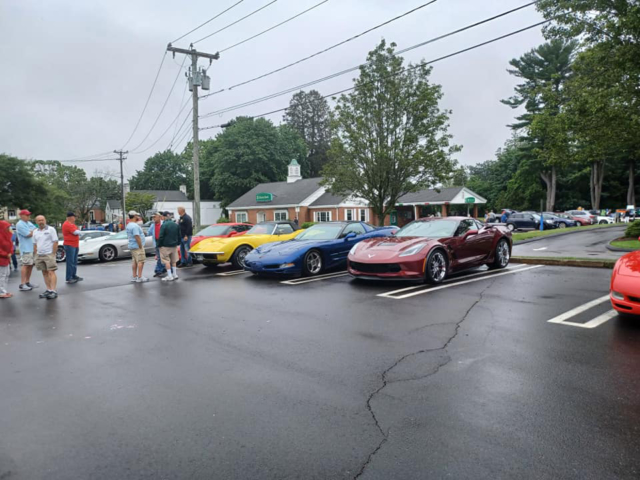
[(242, 217), (322, 216), (348, 215), (364, 215), (12, 214), (92, 216), (280, 215)]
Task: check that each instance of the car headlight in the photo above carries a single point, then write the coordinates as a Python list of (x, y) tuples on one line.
[(353, 249), (413, 250), (287, 265), (617, 295)]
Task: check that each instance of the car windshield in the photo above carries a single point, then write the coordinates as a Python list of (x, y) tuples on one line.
[(431, 229), (262, 229), (321, 232), (213, 231)]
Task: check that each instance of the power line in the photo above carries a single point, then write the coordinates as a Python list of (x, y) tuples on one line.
[(133, 150), (275, 26), (210, 20), (413, 67), (155, 81), (237, 21), (325, 50), (83, 160), (179, 131), (175, 120), (352, 69)]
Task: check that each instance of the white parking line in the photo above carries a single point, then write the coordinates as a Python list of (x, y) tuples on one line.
[(326, 276), (599, 320), (230, 274), (455, 284), (454, 279)]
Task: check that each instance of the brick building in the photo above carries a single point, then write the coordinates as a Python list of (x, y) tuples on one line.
[(308, 201)]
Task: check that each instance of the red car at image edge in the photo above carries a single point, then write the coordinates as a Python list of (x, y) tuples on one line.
[(430, 249), (625, 284), (221, 230)]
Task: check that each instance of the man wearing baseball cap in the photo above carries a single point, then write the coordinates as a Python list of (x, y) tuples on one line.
[(136, 238), (71, 236), (24, 229)]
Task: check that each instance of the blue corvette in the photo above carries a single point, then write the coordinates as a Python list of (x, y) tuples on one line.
[(320, 247)]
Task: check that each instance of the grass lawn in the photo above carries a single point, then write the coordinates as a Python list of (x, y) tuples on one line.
[(519, 236), (635, 244)]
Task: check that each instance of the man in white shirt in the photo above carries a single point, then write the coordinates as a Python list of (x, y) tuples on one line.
[(45, 240)]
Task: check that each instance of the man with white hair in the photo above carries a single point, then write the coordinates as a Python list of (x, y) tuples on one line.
[(186, 232)]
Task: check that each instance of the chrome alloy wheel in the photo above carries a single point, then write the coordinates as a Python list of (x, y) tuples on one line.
[(438, 266), (503, 254), (313, 262)]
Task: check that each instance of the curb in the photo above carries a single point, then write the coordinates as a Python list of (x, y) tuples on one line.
[(619, 249), (563, 262), (560, 234)]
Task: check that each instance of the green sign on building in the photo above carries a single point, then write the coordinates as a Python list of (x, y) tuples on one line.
[(470, 200), (264, 197)]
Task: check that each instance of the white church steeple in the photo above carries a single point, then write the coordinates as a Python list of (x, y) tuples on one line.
[(294, 172)]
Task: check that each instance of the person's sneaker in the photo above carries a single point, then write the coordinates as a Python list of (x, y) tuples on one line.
[(175, 276), (25, 287), (78, 279), (142, 280), (134, 279), (44, 294), (168, 278), (157, 274), (72, 281), (180, 265), (52, 295), (31, 285)]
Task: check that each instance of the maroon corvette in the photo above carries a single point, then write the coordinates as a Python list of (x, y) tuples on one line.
[(429, 249)]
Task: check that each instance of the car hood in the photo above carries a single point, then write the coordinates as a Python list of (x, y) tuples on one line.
[(289, 247), (629, 265), (386, 248), (214, 244)]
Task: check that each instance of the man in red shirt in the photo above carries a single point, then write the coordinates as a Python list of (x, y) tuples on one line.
[(71, 237)]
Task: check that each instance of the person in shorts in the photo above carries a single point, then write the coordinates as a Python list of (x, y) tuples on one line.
[(136, 239), (169, 242), (45, 246), (24, 231)]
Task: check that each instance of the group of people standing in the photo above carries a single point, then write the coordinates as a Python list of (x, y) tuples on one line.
[(167, 237)]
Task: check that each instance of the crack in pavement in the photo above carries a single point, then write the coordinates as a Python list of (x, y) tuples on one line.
[(385, 382)]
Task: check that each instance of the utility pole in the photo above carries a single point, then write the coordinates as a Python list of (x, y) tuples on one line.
[(196, 80), (122, 159)]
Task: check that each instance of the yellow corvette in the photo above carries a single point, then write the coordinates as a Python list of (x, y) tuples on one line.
[(215, 251)]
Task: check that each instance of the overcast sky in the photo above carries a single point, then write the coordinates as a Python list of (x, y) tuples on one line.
[(76, 75)]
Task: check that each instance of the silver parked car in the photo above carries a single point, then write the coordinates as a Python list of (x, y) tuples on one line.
[(110, 247), (61, 255)]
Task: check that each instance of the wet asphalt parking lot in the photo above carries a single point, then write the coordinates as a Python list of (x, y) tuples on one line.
[(227, 376)]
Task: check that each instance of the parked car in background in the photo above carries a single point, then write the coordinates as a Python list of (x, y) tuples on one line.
[(108, 248), (528, 221), (560, 220), (320, 247), (430, 249), (221, 230), (583, 217), (61, 255)]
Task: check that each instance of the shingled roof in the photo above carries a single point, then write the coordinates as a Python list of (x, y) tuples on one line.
[(166, 195), (429, 196), (283, 193)]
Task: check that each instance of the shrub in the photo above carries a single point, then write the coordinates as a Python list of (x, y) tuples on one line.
[(307, 224), (633, 230), (223, 220)]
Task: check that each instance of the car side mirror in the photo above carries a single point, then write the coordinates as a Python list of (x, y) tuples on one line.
[(469, 234), (349, 236)]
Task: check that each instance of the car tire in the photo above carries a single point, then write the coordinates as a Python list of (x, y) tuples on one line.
[(501, 255), (603, 222), (61, 255), (511, 227), (312, 263), (239, 255), (562, 225), (436, 267), (107, 253)]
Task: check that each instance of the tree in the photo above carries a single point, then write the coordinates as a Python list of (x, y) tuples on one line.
[(249, 152), (18, 185), (309, 114), (163, 171), (544, 71), (390, 136), (140, 202)]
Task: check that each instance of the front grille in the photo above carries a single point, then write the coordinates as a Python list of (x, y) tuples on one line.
[(634, 299), (624, 307), (376, 267)]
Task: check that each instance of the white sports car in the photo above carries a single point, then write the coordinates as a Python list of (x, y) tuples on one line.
[(61, 255), (110, 247)]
